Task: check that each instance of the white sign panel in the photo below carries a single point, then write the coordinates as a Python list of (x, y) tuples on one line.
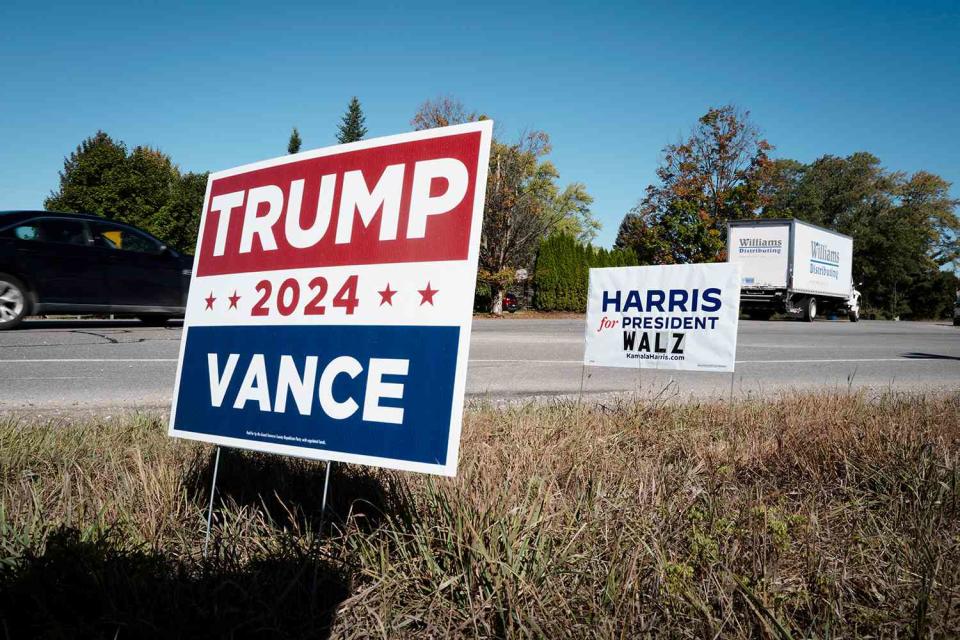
[(664, 317)]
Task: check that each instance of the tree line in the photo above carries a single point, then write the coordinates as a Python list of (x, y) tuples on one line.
[(525, 201), (144, 187), (904, 226)]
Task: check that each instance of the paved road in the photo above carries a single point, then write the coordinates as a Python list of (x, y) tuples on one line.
[(60, 364)]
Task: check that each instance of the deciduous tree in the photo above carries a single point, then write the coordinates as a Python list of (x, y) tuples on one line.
[(178, 219), (575, 216), (717, 174), (904, 227), (143, 188), (94, 178), (524, 203), (443, 111)]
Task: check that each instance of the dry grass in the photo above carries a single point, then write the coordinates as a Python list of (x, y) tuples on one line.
[(813, 516)]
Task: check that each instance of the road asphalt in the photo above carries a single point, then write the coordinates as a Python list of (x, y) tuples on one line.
[(62, 364)]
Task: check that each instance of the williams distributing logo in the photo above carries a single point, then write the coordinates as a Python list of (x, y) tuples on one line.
[(824, 261), (760, 245), (658, 338)]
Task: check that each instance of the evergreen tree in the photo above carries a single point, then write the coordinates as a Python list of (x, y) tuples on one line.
[(293, 146), (562, 275), (352, 129)]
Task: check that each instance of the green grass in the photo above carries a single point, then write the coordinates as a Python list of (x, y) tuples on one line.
[(809, 516)]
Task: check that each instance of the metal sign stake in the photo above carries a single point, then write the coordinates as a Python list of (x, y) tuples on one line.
[(213, 491), (583, 373), (326, 484)]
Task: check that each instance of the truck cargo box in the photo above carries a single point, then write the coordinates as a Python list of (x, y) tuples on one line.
[(822, 261), (791, 255), (762, 248)]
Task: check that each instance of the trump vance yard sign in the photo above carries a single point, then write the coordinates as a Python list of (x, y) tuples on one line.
[(330, 307)]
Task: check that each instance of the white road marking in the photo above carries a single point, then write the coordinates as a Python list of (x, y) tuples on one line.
[(502, 361), (35, 360), (919, 359), (738, 361), (529, 361), (54, 378)]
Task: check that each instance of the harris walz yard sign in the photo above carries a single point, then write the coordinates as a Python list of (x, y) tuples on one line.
[(664, 317)]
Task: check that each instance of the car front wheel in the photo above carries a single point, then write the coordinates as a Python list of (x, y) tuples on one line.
[(13, 302)]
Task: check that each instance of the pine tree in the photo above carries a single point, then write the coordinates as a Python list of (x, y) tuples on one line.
[(562, 274), (352, 129), (293, 146)]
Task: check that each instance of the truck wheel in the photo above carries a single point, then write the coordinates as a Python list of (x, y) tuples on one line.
[(13, 302), (854, 315), (810, 309)]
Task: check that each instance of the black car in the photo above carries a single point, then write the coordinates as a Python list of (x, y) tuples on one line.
[(80, 264)]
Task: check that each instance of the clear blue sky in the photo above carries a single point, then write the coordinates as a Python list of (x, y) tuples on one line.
[(220, 85)]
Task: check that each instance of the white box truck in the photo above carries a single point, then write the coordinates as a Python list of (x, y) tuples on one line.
[(792, 267)]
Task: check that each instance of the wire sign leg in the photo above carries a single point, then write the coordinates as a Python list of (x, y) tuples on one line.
[(213, 491), (326, 485), (583, 373)]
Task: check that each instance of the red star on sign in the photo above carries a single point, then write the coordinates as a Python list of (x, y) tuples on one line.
[(233, 299), (426, 295), (386, 296), (210, 300)]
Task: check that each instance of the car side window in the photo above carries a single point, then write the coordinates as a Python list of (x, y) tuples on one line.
[(112, 236), (52, 230), (27, 232)]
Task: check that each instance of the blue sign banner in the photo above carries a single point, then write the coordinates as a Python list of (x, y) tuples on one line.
[(380, 391)]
